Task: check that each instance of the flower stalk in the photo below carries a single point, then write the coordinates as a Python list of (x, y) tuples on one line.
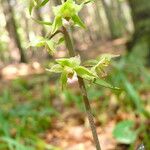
[(72, 53)]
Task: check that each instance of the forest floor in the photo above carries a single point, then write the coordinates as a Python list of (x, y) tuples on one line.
[(70, 130)]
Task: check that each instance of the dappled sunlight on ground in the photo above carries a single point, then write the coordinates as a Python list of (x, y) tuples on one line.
[(16, 70)]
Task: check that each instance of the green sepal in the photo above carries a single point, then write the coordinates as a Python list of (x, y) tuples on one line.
[(76, 19), (63, 80), (84, 73)]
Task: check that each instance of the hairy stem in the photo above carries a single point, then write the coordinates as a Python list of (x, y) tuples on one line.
[(72, 53)]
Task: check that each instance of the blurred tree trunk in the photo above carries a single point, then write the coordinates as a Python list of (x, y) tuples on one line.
[(12, 27), (140, 10), (120, 17), (113, 21), (109, 19), (39, 17), (98, 20)]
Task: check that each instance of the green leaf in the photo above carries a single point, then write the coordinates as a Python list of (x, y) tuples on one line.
[(60, 41), (84, 73), (49, 44), (31, 6), (42, 22), (44, 2), (70, 62), (103, 83), (41, 42), (124, 132), (76, 19), (56, 24), (55, 68), (63, 79), (37, 42)]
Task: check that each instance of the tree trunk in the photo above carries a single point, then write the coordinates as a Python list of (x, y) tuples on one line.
[(114, 23), (12, 27), (98, 20), (110, 18), (39, 17), (140, 10)]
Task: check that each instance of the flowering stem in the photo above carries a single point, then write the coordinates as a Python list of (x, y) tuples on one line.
[(72, 53)]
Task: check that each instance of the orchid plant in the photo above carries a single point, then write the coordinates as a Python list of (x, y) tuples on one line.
[(92, 70)]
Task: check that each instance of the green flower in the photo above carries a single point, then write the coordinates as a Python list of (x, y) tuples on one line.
[(70, 66), (69, 11)]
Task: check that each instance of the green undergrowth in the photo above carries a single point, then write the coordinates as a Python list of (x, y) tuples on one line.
[(27, 107)]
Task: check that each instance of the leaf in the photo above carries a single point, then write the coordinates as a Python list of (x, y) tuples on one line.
[(103, 83), (37, 42), (84, 73), (31, 6), (56, 24), (49, 44), (55, 68), (44, 2), (70, 62), (63, 79), (42, 22), (61, 40), (124, 133), (76, 19), (41, 42)]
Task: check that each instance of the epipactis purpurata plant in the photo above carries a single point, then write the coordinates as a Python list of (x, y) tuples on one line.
[(92, 70)]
